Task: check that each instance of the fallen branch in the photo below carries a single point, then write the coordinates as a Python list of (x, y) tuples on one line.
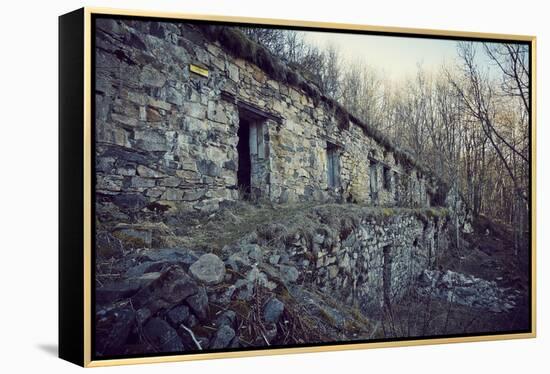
[(263, 336), (192, 336)]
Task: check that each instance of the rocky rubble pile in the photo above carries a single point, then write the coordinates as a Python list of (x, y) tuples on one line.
[(277, 284), (173, 300), (167, 300), (314, 276), (465, 289)]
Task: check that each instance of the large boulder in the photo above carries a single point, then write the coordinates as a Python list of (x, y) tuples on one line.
[(208, 269), (169, 289), (125, 288)]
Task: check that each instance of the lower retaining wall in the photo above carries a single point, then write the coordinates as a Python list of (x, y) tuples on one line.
[(369, 264), (363, 256), (321, 267), (378, 261)]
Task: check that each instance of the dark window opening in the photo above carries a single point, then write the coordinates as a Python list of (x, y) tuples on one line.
[(373, 181), (244, 170), (333, 166)]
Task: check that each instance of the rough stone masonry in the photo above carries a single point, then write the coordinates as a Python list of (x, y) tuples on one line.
[(189, 119), (189, 116), (169, 138)]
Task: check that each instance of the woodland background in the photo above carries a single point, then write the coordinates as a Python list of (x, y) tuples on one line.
[(467, 120)]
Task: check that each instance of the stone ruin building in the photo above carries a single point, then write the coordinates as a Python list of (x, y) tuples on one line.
[(189, 116)]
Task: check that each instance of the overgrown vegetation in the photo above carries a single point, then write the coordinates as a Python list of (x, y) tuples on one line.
[(301, 322), (282, 223), (310, 315)]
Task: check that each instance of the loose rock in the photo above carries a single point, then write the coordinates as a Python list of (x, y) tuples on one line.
[(226, 318), (199, 303), (178, 314), (223, 337), (289, 273), (208, 269), (273, 310), (172, 287)]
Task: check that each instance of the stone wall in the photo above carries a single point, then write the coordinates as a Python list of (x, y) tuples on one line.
[(341, 271), (167, 138), (372, 264)]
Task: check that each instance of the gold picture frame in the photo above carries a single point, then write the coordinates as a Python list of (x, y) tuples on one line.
[(76, 225)]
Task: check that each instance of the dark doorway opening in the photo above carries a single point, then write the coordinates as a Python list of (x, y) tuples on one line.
[(244, 170)]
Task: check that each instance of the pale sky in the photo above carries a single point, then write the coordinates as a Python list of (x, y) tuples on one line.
[(396, 57)]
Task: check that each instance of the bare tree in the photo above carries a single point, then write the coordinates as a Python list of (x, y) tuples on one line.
[(361, 92), (501, 112), (478, 94), (273, 39), (467, 124), (513, 62), (331, 72)]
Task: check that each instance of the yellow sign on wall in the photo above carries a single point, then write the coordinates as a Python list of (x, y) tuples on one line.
[(198, 70)]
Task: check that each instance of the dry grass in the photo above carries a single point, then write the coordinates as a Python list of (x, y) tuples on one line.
[(230, 225), (281, 224)]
